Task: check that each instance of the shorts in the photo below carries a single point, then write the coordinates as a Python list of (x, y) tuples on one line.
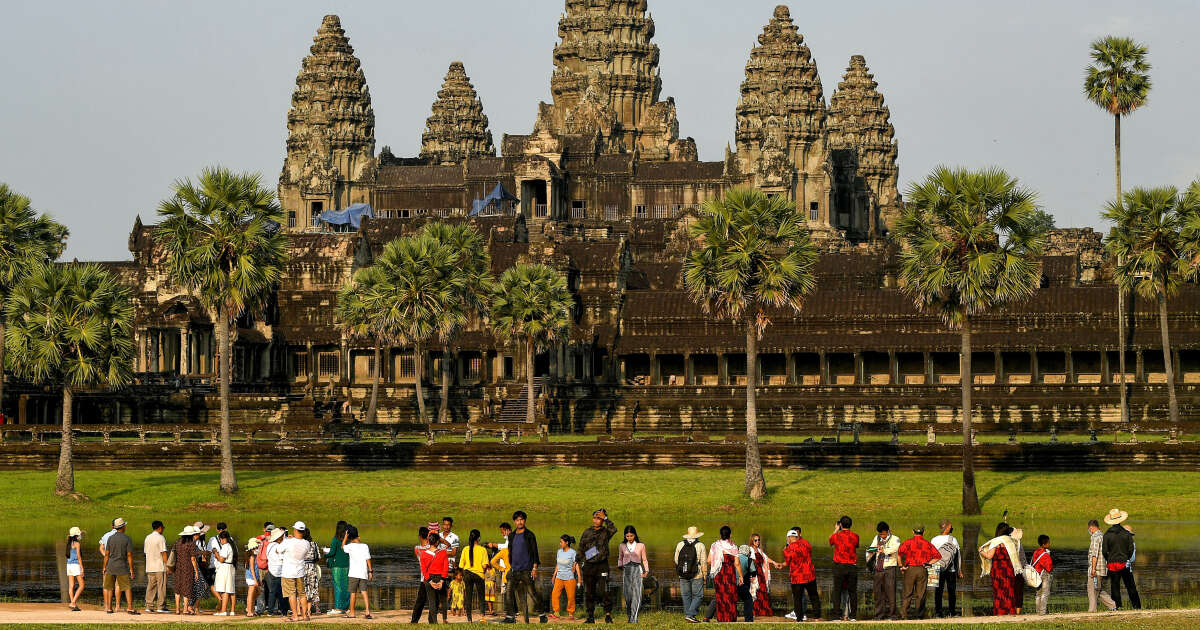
[(120, 581), (292, 587), (358, 585), (74, 570), (250, 581)]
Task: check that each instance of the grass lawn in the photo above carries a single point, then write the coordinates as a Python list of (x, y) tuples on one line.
[(389, 504)]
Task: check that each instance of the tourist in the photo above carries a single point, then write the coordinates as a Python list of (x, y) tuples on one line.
[(1002, 562), (749, 571), (253, 576), (489, 589), (1044, 565), (118, 569), (691, 565), (845, 570), (635, 567), (187, 568), (276, 604), (203, 574), (883, 559), (593, 544), (1019, 579), (312, 574), (802, 575), (949, 569), (1097, 569), (523, 551), (419, 552), (1118, 549), (456, 594), (210, 548), (566, 577), (916, 554), (760, 584), (293, 552), (339, 567), (726, 572), (154, 546), (223, 582), (450, 541), (435, 563), (360, 570), (74, 567), (473, 560), (262, 562), (501, 564)]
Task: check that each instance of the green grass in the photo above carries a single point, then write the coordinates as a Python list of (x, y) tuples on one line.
[(388, 505)]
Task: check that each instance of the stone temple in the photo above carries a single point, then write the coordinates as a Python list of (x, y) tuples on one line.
[(607, 186)]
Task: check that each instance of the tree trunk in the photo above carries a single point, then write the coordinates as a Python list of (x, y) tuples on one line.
[(1120, 293), (374, 388), (419, 368), (224, 363), (756, 484), (970, 498), (529, 380), (2, 366), (65, 484), (443, 406), (1167, 363)]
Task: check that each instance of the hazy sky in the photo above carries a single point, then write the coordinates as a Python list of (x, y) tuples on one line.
[(104, 104)]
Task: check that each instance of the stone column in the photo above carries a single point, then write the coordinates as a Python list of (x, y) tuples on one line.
[(999, 367), (1034, 376), (1105, 368), (312, 364), (722, 369), (893, 368), (928, 358), (621, 370), (860, 377), (1070, 361), (1140, 375), (655, 374), (1175, 364), (588, 358), (823, 367), (689, 374), (789, 362), (183, 337)]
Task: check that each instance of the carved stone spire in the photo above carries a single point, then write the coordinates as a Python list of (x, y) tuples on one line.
[(606, 64), (860, 122), (458, 129), (331, 128)]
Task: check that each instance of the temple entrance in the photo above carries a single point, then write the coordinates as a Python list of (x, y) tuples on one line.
[(535, 198)]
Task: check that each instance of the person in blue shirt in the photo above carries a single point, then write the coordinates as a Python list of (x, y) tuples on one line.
[(523, 552)]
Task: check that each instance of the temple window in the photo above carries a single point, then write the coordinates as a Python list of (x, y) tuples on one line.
[(813, 211), (639, 212), (300, 365), (578, 209), (612, 212), (291, 218), (405, 367), (327, 365)]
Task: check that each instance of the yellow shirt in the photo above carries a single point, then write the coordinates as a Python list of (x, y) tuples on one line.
[(501, 562), (476, 567)]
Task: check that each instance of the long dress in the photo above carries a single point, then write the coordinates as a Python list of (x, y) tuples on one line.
[(184, 578), (312, 576), (725, 585), (1003, 583), (762, 598)]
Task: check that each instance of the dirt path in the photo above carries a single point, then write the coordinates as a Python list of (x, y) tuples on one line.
[(57, 613)]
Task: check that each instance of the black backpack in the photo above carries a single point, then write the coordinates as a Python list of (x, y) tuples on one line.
[(687, 564)]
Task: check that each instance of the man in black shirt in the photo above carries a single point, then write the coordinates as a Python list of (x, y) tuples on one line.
[(523, 551), (593, 544), (1118, 553)]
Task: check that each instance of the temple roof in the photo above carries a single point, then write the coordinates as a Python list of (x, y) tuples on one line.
[(457, 129)]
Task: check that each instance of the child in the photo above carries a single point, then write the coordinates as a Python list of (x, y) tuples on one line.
[(361, 570), (1044, 564), (489, 588), (566, 578), (253, 575), (456, 594)]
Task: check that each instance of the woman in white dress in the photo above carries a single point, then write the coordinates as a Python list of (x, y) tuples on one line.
[(223, 584)]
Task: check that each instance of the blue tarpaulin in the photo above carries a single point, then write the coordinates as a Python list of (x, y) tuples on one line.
[(494, 199), (350, 216)]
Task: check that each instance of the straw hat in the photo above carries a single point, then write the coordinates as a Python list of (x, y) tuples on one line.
[(118, 523), (277, 534), (1116, 517), (253, 544), (693, 533), (75, 531), (190, 530)]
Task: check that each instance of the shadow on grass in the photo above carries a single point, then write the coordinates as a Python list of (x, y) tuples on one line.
[(990, 494)]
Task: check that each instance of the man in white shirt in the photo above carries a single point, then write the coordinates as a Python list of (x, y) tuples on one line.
[(276, 604), (450, 541), (360, 570), (293, 551), (155, 548), (949, 569), (883, 559), (213, 546)]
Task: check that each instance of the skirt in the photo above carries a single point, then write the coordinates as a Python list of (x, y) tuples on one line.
[(199, 587), (74, 570), (224, 579)]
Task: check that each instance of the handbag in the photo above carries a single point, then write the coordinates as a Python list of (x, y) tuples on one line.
[(935, 576), (1033, 577), (171, 560)]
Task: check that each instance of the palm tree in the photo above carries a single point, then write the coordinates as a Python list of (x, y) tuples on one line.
[(970, 242), (70, 326), (354, 303), (532, 306), (414, 299), (475, 267), (751, 252), (224, 244), (1147, 239), (26, 241), (1118, 82)]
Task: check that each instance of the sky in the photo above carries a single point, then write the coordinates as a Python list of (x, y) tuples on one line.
[(104, 104)]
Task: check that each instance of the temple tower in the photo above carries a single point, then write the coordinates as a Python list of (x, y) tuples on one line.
[(330, 161), (606, 82), (862, 141), (458, 129), (781, 119)]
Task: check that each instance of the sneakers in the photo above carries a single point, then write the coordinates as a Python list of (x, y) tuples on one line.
[(691, 620), (791, 615), (509, 620), (163, 611), (335, 612), (607, 618), (542, 619)]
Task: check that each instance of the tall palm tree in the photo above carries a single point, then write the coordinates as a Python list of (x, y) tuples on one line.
[(354, 302), (1118, 82), (751, 252), (70, 326), (1147, 239), (532, 306), (224, 244), (970, 242), (26, 241), (475, 267), (414, 300)]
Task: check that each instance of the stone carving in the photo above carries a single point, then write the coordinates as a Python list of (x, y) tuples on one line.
[(859, 124), (457, 129)]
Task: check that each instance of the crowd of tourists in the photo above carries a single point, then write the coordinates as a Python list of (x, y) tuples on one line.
[(282, 571)]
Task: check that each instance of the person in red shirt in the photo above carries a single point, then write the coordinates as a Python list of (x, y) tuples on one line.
[(1044, 564), (803, 577), (435, 565), (915, 554), (845, 570)]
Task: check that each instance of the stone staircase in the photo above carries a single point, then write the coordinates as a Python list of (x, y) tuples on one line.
[(514, 409)]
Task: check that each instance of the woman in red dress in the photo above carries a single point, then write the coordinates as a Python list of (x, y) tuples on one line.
[(726, 572), (762, 597), (1003, 570)]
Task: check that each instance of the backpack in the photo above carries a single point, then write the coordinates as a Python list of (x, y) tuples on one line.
[(261, 559), (687, 566), (1033, 577)]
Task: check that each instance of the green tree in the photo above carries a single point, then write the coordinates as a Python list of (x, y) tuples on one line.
[(969, 243), (1043, 221), (354, 310), (1147, 240), (532, 306), (750, 252), (1118, 82), (70, 326), (223, 243), (415, 298), (475, 267), (26, 241)]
